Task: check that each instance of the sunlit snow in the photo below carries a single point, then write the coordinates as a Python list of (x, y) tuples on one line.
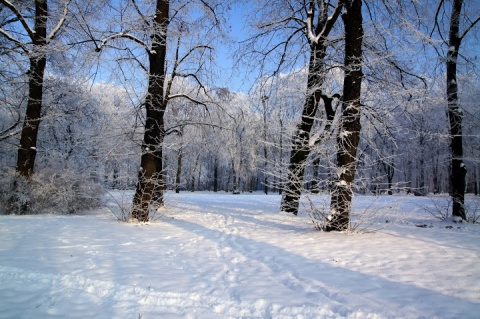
[(235, 256)]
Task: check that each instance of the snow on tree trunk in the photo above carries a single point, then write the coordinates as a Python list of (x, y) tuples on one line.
[(317, 31), (349, 131), (300, 139), (27, 150), (458, 169), (155, 105)]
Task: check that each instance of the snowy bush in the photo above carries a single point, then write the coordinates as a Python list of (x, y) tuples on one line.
[(370, 218), (48, 192), (440, 208), (472, 210)]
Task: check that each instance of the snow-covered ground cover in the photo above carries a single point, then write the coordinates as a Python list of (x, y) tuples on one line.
[(235, 256)]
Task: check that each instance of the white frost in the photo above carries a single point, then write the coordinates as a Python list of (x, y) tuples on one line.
[(457, 219), (344, 134)]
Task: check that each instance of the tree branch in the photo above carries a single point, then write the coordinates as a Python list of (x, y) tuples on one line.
[(469, 28), (60, 23), (119, 35), (186, 96), (20, 17), (11, 38), (140, 13)]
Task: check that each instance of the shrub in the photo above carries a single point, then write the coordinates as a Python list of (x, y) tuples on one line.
[(48, 191)]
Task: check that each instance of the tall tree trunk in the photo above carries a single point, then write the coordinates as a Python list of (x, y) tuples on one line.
[(458, 169), (280, 164), (300, 139), (215, 175), (265, 153), (159, 183), (317, 32), (475, 181), (155, 105), (27, 150), (349, 132), (179, 171)]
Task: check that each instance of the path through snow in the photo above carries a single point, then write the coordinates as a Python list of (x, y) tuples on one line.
[(225, 256)]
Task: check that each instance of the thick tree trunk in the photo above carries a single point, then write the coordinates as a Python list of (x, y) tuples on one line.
[(27, 150), (317, 32), (458, 169), (155, 105), (301, 137), (349, 132)]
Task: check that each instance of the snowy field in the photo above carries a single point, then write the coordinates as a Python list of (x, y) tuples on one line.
[(235, 256)]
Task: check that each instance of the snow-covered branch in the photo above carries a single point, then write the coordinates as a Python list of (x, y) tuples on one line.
[(21, 18), (186, 96), (119, 35), (60, 23), (11, 38)]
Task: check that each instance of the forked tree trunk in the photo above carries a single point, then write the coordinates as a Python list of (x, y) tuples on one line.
[(155, 105), (27, 150), (301, 137), (458, 169), (349, 132), (317, 31)]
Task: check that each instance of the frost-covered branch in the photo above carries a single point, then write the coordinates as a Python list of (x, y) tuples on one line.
[(60, 23), (119, 35), (21, 18), (10, 132), (186, 96), (11, 38), (140, 13)]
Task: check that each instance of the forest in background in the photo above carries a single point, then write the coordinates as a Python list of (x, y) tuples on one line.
[(102, 70)]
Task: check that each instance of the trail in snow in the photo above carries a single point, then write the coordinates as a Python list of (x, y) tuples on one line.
[(224, 256)]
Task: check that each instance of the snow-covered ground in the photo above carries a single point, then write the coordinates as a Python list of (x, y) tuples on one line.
[(235, 256)]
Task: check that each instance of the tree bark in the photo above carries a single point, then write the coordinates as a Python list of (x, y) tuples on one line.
[(300, 139), (349, 132), (458, 169), (215, 175), (155, 105), (179, 171), (27, 150), (317, 33)]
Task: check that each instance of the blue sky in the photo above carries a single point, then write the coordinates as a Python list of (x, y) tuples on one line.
[(235, 80)]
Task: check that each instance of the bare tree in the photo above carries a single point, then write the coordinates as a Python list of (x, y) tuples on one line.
[(314, 20), (458, 168), (153, 33), (349, 131), (35, 43)]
